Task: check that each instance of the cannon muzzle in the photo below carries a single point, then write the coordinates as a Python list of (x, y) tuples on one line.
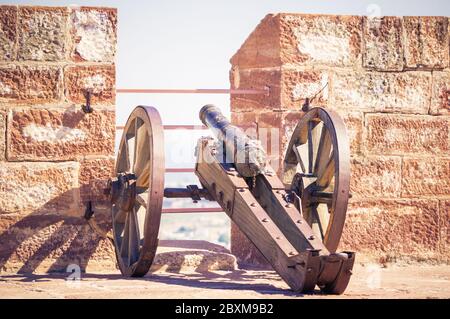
[(245, 153)]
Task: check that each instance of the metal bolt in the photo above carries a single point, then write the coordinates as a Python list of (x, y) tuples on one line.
[(312, 237), (253, 205), (309, 269), (241, 190), (265, 220), (278, 192), (288, 206), (278, 237), (292, 253), (299, 221)]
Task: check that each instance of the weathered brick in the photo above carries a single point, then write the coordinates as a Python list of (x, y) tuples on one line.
[(426, 177), (426, 42), (94, 176), (94, 34), (378, 177), (262, 47), (407, 92), (301, 39), (297, 86), (8, 32), (440, 102), (354, 124), (99, 79), (246, 253), (39, 188), (320, 39), (42, 33), (247, 121), (383, 46), (288, 87), (2, 135), (38, 243), (55, 134), (256, 79), (30, 84), (393, 228), (391, 134), (444, 210)]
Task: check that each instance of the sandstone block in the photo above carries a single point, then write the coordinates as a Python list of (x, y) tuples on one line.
[(301, 39), (8, 32), (383, 46), (29, 84), (354, 123), (440, 102), (426, 177), (444, 210), (94, 34), (256, 79), (393, 229), (42, 33), (289, 88), (378, 177), (50, 243), (94, 176), (55, 134), (426, 42), (2, 136), (246, 253), (401, 134), (39, 188), (407, 92), (99, 79)]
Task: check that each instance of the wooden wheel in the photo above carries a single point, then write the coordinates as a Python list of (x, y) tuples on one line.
[(318, 164), (137, 191)]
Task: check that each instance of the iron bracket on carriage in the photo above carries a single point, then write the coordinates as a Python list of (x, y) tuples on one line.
[(296, 223)]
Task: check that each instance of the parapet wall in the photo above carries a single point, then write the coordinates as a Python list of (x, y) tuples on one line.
[(54, 157), (389, 79)]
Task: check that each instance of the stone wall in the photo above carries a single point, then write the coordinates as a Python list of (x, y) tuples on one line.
[(388, 78), (53, 157)]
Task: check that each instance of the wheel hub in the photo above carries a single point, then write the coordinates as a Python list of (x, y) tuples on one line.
[(123, 191), (304, 186)]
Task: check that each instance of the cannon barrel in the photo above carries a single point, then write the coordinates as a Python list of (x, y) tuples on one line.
[(245, 153)]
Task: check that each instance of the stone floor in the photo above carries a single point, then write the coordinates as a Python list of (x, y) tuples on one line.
[(368, 282), (202, 270)]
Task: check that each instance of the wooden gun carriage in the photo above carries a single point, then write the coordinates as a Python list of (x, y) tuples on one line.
[(296, 225)]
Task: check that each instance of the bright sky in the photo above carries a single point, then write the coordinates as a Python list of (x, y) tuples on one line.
[(188, 44)]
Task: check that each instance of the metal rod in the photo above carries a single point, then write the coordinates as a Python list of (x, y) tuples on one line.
[(175, 127), (191, 210), (264, 91), (180, 170), (184, 193)]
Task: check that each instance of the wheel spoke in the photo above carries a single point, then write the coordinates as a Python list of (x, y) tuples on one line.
[(321, 218), (325, 176), (125, 238), (120, 216), (323, 151), (314, 133), (123, 158), (301, 152), (131, 145), (142, 199), (134, 239), (142, 157)]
